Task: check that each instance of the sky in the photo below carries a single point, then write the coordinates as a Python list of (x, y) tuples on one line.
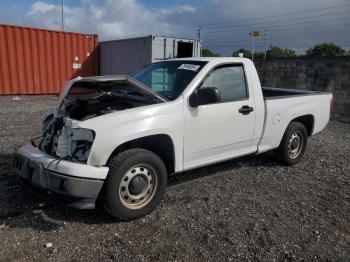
[(225, 24)]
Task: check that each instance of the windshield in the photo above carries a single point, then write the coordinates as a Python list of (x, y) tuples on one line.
[(169, 78)]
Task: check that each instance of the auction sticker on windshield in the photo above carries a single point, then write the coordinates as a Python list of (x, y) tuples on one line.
[(189, 67)]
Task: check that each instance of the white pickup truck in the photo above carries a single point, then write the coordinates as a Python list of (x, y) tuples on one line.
[(117, 138)]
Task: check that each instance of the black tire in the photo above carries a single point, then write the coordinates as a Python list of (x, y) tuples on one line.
[(121, 166), (284, 153)]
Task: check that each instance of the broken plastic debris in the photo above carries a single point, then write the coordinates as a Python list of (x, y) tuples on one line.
[(48, 245)]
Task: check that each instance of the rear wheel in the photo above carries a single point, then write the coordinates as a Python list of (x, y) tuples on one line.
[(135, 184), (293, 144)]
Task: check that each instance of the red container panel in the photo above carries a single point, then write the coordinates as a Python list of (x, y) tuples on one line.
[(39, 61)]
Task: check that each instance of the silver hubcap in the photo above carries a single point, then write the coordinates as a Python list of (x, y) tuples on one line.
[(295, 145), (137, 187)]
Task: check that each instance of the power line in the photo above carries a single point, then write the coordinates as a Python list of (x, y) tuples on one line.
[(283, 20), (192, 28), (271, 43), (312, 33), (279, 15), (279, 26), (266, 17), (282, 46), (214, 35), (272, 39), (276, 26), (310, 39)]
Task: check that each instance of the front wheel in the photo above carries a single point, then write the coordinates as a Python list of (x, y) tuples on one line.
[(293, 144), (135, 184)]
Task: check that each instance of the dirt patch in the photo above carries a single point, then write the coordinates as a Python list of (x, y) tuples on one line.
[(248, 209)]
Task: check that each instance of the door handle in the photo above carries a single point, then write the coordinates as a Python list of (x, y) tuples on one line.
[(245, 110)]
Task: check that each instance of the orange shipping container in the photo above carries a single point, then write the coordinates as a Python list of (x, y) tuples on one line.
[(39, 61)]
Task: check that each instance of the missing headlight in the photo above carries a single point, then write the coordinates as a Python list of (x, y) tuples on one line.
[(74, 143), (82, 151)]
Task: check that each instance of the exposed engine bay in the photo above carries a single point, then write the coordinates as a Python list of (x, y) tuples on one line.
[(87, 98), (91, 97)]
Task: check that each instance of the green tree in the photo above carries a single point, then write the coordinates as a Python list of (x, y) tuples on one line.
[(275, 51), (326, 49), (209, 53)]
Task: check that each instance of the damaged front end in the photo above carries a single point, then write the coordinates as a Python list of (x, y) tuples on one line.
[(85, 98), (60, 139)]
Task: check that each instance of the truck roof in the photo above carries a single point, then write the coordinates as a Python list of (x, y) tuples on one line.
[(210, 59), (129, 78)]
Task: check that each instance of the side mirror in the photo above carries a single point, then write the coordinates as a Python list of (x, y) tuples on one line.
[(204, 96)]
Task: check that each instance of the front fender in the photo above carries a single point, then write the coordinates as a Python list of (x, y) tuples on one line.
[(121, 127)]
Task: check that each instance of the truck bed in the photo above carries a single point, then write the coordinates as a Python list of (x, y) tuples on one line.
[(284, 105), (278, 93)]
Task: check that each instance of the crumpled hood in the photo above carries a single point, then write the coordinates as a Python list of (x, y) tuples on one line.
[(84, 98), (122, 79)]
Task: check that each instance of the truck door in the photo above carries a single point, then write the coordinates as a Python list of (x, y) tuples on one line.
[(223, 130)]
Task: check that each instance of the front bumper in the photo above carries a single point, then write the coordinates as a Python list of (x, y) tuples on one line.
[(64, 182)]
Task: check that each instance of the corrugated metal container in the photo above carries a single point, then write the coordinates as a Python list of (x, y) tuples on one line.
[(39, 61), (128, 56)]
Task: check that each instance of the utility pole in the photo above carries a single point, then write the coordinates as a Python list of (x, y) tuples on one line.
[(198, 40), (62, 14), (254, 34), (253, 49), (266, 46), (267, 43)]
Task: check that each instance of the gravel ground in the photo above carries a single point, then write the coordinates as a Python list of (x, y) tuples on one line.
[(250, 209)]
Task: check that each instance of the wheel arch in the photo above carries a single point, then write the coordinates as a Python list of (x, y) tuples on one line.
[(160, 144), (307, 120)]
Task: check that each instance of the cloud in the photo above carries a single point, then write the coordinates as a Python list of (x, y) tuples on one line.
[(109, 18), (178, 9), (40, 7), (113, 19)]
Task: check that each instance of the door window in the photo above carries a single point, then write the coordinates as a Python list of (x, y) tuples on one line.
[(230, 80)]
